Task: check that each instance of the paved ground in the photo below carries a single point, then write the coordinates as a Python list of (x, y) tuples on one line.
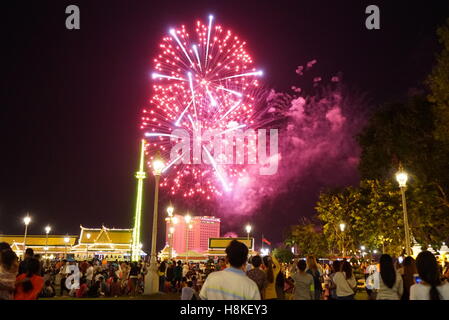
[(164, 296), (158, 296)]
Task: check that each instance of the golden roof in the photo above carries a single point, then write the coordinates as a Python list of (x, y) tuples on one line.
[(39, 240)]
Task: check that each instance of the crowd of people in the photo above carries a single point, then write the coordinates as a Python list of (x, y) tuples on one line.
[(234, 277)]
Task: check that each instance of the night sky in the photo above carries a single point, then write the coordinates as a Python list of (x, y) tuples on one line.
[(71, 99)]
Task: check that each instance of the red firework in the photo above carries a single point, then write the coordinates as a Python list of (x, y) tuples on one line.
[(203, 80)]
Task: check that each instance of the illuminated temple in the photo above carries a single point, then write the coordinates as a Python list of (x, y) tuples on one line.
[(103, 243)]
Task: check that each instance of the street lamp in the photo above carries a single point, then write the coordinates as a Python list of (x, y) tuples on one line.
[(171, 230), (342, 229), (248, 230), (47, 231), (170, 210), (402, 177), (66, 241), (87, 245), (26, 221), (152, 278)]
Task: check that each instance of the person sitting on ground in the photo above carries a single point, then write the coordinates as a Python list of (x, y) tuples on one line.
[(81, 292), (231, 283), (431, 287), (48, 291), (115, 288)]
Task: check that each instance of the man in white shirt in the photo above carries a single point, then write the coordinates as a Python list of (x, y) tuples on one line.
[(231, 283)]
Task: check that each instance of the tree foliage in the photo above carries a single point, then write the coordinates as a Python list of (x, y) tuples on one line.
[(438, 82), (374, 216), (284, 255), (308, 239)]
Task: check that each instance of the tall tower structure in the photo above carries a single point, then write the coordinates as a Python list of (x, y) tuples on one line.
[(140, 175)]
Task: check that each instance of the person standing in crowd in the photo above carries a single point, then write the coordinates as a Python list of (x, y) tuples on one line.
[(177, 276), (161, 272), (272, 268), (257, 275), (313, 270), (9, 266), (133, 277), (231, 283), (408, 276), (29, 284), (89, 273), (170, 275), (304, 282), (431, 287), (280, 284), (390, 284), (29, 253), (345, 282), (336, 265)]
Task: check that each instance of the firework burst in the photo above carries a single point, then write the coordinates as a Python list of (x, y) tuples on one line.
[(203, 79)]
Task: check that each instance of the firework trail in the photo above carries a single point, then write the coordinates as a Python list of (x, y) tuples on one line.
[(203, 79)]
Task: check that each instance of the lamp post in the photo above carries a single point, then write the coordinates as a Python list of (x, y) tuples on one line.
[(170, 210), (47, 231), (26, 221), (248, 230), (66, 241), (402, 177), (342, 229), (187, 219), (152, 278), (87, 245), (170, 242)]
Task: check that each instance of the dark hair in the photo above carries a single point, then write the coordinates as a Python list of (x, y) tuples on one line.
[(256, 261), (336, 265), (162, 266), (237, 253), (302, 265), (8, 257), (387, 271), (269, 265), (189, 283), (428, 271), (29, 252), (4, 246), (347, 269), (33, 268), (409, 265)]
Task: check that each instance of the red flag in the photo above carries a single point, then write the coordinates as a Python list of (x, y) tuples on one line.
[(266, 241)]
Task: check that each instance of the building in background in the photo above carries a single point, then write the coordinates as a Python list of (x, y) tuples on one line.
[(101, 243), (195, 238)]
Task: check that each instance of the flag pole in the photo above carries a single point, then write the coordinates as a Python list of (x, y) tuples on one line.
[(262, 242)]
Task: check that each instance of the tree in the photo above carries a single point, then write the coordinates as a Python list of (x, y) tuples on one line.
[(438, 82), (284, 255), (374, 216), (308, 239)]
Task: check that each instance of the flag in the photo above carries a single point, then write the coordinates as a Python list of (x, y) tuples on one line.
[(266, 241)]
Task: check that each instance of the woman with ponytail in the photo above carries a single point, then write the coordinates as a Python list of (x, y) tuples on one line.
[(431, 286), (29, 285), (272, 268)]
